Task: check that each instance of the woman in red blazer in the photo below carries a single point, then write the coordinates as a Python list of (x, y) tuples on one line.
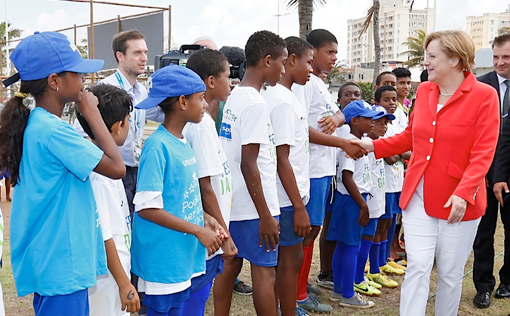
[(452, 133)]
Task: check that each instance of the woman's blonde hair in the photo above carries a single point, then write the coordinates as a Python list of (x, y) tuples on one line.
[(455, 44)]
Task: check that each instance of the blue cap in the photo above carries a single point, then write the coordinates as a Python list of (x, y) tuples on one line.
[(171, 81), (358, 108), (379, 108), (43, 54)]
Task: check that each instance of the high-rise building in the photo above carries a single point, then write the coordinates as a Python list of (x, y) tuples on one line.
[(484, 28), (396, 24)]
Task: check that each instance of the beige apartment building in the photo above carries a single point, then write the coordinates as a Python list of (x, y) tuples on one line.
[(396, 24), (484, 28)]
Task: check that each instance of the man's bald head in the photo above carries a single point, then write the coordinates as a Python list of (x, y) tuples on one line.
[(207, 42)]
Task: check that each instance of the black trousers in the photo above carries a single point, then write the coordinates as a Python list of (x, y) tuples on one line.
[(483, 247), (129, 182)]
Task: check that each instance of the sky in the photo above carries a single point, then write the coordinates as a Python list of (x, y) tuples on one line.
[(229, 22)]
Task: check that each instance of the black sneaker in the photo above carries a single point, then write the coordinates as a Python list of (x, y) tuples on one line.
[(242, 289), (325, 280)]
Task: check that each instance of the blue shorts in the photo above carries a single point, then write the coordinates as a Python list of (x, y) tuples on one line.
[(74, 304), (5, 173), (246, 237), (392, 207), (214, 266), (164, 303), (316, 207), (344, 224), (287, 236), (371, 227), (329, 200)]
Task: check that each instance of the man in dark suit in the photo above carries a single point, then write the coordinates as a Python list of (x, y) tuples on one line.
[(497, 179)]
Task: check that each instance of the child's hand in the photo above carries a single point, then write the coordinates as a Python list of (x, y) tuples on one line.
[(301, 222), (329, 124), (354, 149), (88, 102), (130, 302), (364, 216), (211, 223), (229, 249), (209, 238), (269, 232)]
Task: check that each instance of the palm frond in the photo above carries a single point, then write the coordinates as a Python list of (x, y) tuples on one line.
[(368, 20), (411, 3), (295, 3)]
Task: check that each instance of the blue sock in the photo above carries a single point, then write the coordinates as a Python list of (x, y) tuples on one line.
[(349, 259), (391, 235), (382, 252), (362, 260), (195, 304), (337, 267), (374, 257)]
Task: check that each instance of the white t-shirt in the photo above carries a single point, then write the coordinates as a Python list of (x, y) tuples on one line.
[(320, 103), (211, 162), (394, 172), (360, 169), (246, 121), (376, 201), (290, 124), (104, 298), (401, 121)]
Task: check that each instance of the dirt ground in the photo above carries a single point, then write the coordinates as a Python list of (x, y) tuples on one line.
[(385, 305)]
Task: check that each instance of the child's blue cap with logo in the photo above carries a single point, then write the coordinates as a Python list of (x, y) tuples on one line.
[(358, 108), (171, 81), (44, 53), (384, 113)]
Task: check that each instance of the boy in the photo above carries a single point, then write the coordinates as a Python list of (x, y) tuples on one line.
[(350, 211), (403, 88), (386, 96), (247, 137), (388, 78), (113, 293), (349, 91), (323, 118), (290, 122), (213, 169), (377, 203)]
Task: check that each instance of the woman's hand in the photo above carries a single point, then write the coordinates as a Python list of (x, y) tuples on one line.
[(368, 145), (458, 205)]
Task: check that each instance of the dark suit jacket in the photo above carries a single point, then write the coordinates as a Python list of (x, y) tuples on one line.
[(492, 80)]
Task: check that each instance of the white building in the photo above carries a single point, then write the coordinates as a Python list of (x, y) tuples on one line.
[(484, 28), (396, 24)]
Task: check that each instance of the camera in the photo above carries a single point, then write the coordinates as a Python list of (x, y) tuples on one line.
[(176, 57), (237, 60)]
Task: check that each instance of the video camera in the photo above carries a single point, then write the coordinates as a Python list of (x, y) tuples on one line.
[(176, 57), (237, 60)]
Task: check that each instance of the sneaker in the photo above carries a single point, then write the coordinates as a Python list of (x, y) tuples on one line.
[(395, 265), (313, 289), (312, 304), (390, 270), (325, 280), (401, 261), (242, 289), (356, 301), (373, 284), (301, 312), (335, 297), (382, 279), (364, 288)]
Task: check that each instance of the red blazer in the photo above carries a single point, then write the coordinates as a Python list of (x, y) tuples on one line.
[(452, 149)]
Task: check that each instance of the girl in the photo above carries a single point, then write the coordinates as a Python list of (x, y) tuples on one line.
[(169, 238), (56, 241)]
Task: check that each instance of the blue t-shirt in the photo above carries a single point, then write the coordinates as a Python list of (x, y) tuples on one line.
[(56, 241), (159, 254)]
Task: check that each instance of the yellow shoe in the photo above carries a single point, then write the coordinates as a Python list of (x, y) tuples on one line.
[(390, 270), (395, 265), (382, 279), (364, 288), (373, 284)]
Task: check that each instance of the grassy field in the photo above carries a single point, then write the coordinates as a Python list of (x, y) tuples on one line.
[(386, 305)]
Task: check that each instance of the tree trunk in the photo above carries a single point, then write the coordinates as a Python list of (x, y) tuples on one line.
[(377, 41), (305, 12)]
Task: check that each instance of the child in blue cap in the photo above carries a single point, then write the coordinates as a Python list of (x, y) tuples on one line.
[(350, 211), (171, 233), (56, 242)]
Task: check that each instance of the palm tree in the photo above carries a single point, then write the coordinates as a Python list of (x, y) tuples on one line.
[(13, 34), (373, 17), (305, 12), (415, 52)]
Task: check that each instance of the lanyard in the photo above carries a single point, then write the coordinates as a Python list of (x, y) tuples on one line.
[(119, 79)]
